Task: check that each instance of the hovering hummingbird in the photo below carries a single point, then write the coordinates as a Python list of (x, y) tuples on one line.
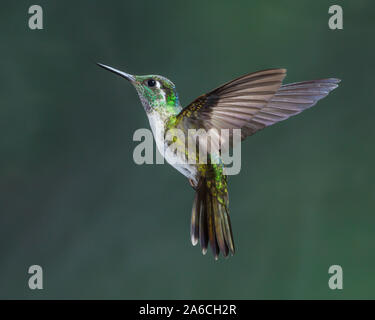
[(250, 103)]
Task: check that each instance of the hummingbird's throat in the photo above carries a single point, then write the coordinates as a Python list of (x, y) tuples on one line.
[(158, 99), (145, 102)]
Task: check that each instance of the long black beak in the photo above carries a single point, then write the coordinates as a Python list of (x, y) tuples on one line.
[(125, 75)]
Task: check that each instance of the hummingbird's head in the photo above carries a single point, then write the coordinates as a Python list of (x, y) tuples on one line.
[(156, 92)]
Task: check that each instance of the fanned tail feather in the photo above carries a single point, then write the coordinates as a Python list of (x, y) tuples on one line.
[(210, 223)]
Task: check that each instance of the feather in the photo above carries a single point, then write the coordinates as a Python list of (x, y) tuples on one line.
[(194, 231), (203, 232), (213, 227), (218, 227)]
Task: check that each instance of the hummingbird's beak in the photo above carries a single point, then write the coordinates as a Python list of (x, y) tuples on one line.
[(120, 73)]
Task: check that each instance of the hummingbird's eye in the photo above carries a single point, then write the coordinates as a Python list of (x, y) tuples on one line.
[(151, 83)]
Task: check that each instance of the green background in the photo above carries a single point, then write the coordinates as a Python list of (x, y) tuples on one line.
[(73, 201)]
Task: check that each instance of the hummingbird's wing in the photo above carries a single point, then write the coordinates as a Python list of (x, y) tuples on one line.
[(251, 103), (234, 105)]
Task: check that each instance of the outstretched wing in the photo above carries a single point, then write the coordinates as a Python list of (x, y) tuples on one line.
[(288, 101), (251, 103)]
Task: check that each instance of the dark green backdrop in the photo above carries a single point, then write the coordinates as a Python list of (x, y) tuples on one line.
[(73, 201)]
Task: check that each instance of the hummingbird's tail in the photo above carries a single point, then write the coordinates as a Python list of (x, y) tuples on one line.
[(210, 222)]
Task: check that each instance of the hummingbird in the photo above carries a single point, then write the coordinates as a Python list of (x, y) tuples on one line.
[(250, 103)]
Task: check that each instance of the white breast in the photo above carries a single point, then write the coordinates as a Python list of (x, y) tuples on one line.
[(177, 160)]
